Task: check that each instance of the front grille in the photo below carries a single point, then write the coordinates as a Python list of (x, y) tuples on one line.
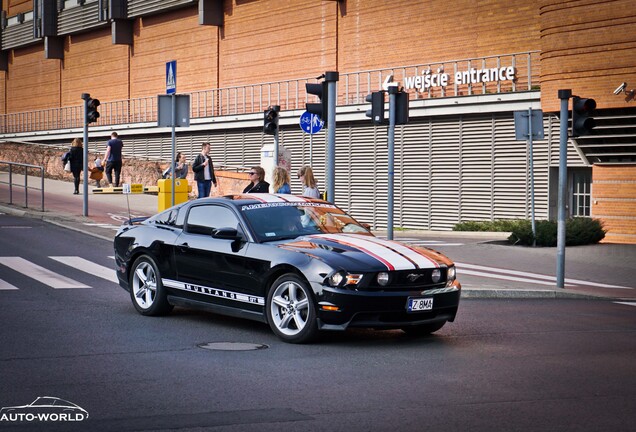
[(408, 280)]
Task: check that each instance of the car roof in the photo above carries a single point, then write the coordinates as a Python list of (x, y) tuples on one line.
[(243, 199)]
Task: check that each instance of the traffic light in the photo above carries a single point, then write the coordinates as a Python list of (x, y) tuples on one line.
[(376, 113), (270, 121), (320, 109), (582, 109), (401, 108), (91, 113)]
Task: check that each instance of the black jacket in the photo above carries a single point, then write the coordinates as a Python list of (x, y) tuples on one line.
[(198, 168), (261, 187), (77, 159)]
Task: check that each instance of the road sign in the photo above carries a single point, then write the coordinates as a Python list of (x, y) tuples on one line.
[(522, 124), (311, 123), (182, 107), (171, 77)]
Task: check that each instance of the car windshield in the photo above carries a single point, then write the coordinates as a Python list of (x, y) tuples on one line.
[(276, 221)]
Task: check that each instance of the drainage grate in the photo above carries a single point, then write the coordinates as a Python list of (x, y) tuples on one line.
[(232, 346)]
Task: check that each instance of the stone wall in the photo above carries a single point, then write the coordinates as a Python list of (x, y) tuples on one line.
[(141, 171)]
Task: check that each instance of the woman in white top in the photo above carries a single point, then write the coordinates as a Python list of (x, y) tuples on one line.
[(306, 176)]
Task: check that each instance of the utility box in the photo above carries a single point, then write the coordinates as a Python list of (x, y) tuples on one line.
[(181, 189)]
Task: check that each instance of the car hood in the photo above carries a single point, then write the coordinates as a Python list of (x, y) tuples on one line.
[(357, 252)]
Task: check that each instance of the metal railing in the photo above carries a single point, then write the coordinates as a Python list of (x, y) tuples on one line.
[(290, 94), (21, 167)]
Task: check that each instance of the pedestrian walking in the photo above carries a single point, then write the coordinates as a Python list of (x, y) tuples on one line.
[(204, 171), (76, 158), (306, 176), (281, 181), (113, 158), (258, 183)]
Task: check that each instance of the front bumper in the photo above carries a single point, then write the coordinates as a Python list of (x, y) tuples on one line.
[(383, 310)]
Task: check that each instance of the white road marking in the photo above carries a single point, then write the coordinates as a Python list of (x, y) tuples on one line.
[(103, 225), (88, 267), (40, 274), (627, 303), (6, 286), (461, 272), (486, 272)]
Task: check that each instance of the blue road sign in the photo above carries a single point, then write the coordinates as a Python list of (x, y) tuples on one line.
[(171, 77), (311, 123)]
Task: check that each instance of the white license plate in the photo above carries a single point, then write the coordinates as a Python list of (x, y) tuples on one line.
[(420, 304)]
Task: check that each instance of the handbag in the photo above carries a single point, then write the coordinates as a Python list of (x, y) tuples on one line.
[(67, 166)]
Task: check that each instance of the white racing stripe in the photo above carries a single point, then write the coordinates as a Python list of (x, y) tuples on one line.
[(88, 267), (420, 260), (392, 260), (34, 271), (552, 279)]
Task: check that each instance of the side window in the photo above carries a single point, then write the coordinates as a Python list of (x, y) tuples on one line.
[(205, 218)]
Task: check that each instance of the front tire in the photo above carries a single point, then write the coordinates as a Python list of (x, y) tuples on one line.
[(146, 290), (291, 310)]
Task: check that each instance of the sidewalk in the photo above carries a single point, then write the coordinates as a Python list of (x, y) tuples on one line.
[(488, 267)]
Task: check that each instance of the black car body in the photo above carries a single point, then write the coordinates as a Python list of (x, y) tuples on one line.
[(299, 264)]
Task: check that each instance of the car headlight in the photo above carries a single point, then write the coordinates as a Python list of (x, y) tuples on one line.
[(450, 276), (382, 278), (436, 275), (341, 278)]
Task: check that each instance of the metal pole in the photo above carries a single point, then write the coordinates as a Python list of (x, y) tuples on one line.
[(86, 97), (530, 145), (277, 109), (174, 142), (311, 138), (42, 183), (564, 95), (331, 78), (391, 144)]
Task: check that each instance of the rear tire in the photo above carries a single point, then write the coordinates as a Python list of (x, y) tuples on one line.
[(423, 329), (146, 290), (291, 310)]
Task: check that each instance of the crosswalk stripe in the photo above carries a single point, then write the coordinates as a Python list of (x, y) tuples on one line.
[(5, 286), (40, 274), (88, 267)]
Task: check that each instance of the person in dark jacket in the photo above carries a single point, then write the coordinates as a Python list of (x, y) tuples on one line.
[(204, 171), (76, 156), (113, 158), (258, 183)]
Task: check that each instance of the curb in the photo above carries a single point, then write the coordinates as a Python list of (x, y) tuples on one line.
[(492, 293)]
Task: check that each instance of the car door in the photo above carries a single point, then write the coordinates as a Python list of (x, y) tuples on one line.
[(211, 269)]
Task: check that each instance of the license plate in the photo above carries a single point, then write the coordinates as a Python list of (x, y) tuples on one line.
[(419, 304)]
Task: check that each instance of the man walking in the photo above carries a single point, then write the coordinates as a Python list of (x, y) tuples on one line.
[(113, 158), (204, 171)]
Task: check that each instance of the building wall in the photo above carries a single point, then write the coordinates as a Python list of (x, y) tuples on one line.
[(14, 7), (92, 64), (32, 84), (177, 36), (613, 192), (587, 46)]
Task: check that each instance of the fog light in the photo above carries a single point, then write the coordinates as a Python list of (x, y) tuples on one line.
[(436, 275), (382, 278)]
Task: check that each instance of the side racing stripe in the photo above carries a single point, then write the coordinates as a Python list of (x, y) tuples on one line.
[(214, 292)]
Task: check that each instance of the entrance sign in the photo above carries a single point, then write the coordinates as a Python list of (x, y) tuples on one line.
[(311, 123), (171, 77)]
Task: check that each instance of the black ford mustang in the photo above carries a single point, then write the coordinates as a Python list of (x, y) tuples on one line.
[(301, 265)]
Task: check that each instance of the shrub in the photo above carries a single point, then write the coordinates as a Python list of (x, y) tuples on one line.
[(578, 231)]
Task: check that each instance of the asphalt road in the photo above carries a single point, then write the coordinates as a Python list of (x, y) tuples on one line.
[(523, 365)]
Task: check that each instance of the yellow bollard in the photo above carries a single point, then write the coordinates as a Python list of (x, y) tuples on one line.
[(164, 194)]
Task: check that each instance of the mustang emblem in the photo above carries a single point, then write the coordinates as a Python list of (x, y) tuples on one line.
[(413, 276)]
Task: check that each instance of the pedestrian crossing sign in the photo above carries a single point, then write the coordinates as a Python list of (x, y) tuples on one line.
[(171, 77)]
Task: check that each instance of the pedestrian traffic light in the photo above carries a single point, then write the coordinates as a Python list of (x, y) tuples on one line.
[(582, 109), (376, 113), (91, 112), (401, 108), (270, 121), (320, 109)]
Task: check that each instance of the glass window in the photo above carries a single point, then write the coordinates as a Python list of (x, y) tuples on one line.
[(204, 219), (581, 193)]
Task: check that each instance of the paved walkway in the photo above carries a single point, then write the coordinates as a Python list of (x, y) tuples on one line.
[(487, 266)]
